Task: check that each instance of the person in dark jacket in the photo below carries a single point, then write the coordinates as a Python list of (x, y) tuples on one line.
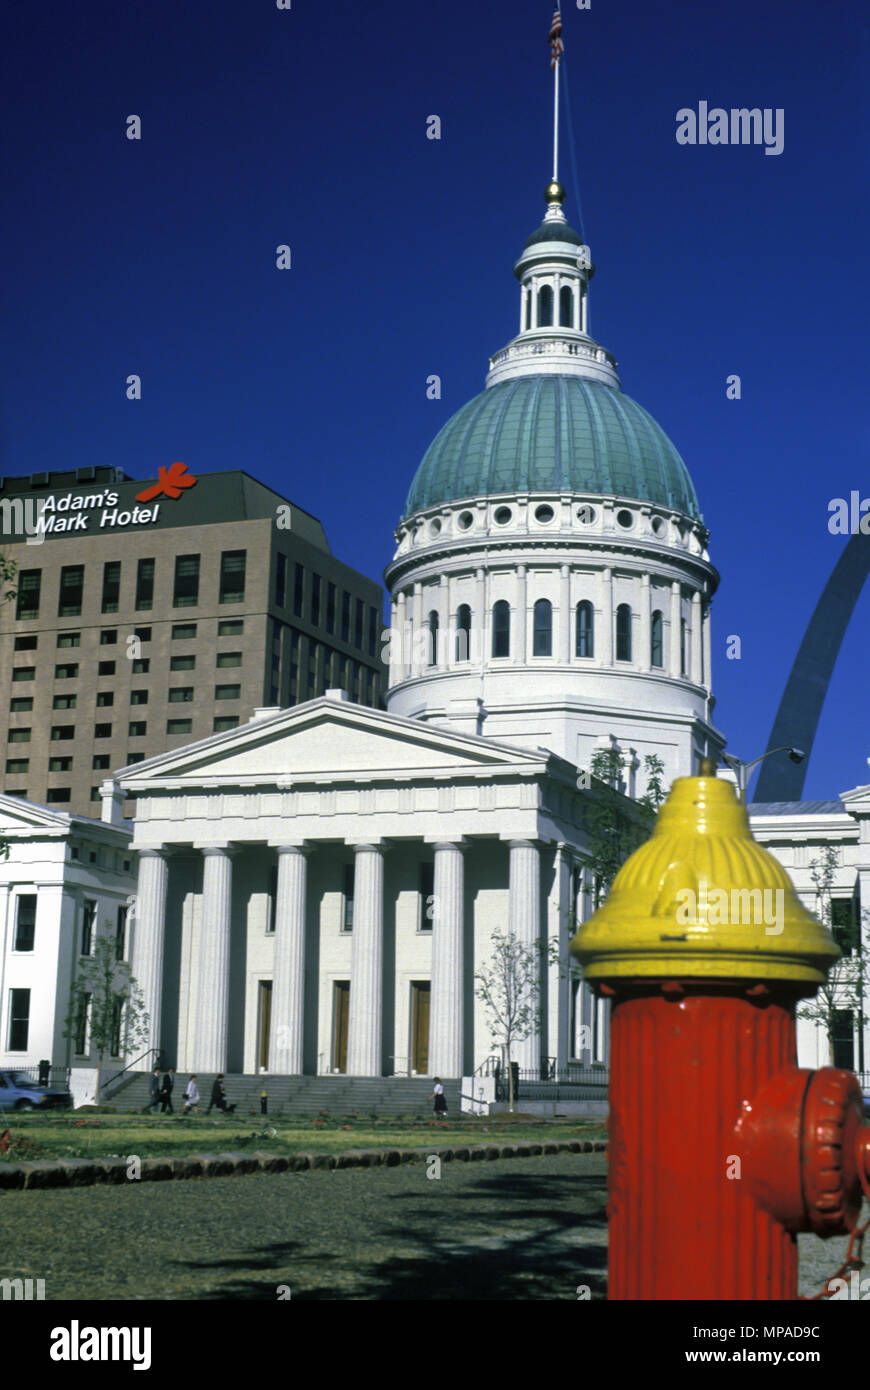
[(218, 1095), (166, 1092), (153, 1091)]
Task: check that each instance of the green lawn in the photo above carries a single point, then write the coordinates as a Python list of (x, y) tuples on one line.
[(75, 1135)]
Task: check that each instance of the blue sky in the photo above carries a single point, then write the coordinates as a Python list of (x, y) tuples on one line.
[(308, 127)]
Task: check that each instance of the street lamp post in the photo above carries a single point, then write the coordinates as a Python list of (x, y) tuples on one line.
[(742, 769)]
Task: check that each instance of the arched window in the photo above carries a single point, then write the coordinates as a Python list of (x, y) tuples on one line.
[(656, 640), (545, 307), (542, 633), (566, 306), (585, 645), (463, 631), (623, 633), (501, 628), (433, 638), (682, 646)]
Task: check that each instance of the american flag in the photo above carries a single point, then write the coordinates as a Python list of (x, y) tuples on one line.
[(556, 45)]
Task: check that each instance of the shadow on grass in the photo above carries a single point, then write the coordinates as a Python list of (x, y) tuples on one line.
[(501, 1238)]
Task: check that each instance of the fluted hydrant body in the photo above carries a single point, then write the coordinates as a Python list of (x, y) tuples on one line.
[(720, 1147)]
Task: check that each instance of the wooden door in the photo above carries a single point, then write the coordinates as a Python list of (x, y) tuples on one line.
[(265, 1023), (420, 994), (340, 1010)]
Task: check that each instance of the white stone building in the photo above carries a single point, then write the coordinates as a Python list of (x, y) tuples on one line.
[(797, 833), (550, 595), (64, 879)]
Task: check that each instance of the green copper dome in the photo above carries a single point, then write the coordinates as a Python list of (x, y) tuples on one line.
[(552, 434)]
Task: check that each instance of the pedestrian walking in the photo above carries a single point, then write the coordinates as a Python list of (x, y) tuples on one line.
[(191, 1096), (153, 1092), (218, 1095), (439, 1098), (166, 1092), (264, 1102)]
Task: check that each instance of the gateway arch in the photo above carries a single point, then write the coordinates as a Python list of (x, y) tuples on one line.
[(801, 705)]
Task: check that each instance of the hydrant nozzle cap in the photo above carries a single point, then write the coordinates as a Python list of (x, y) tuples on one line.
[(703, 899)]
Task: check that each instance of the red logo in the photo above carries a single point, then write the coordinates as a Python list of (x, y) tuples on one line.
[(171, 483)]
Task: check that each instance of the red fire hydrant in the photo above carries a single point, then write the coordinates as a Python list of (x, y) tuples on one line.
[(720, 1147)]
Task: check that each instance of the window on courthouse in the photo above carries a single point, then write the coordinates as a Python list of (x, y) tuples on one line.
[(656, 639), (80, 1041), (501, 628), (25, 921), (232, 584), (585, 644), (623, 633), (19, 1019), (463, 632), (427, 896), (347, 898), (145, 584), (29, 583), (24, 673), (72, 583), (89, 922), (186, 588), (542, 631), (111, 586), (121, 931)]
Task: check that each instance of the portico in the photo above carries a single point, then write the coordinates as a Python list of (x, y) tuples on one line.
[(318, 886)]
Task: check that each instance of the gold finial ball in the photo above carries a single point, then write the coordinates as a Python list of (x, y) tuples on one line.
[(554, 193)]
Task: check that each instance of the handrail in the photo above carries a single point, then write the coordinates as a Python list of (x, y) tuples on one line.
[(152, 1052)]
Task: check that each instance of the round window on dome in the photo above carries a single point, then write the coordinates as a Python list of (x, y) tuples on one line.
[(502, 515), (465, 521), (586, 514), (624, 519), (434, 527), (658, 526), (544, 513)]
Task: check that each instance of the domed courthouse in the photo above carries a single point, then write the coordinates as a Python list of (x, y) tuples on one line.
[(318, 888)]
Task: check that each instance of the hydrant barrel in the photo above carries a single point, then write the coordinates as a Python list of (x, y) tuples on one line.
[(704, 950)]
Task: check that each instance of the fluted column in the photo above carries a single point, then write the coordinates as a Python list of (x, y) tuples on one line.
[(213, 988), (524, 917), (645, 623), (565, 614), (558, 983), (446, 1041), (417, 656), (288, 988), (696, 668), (674, 664), (605, 645), (445, 636), (405, 637), (708, 666), (364, 1029), (518, 644), (149, 935)]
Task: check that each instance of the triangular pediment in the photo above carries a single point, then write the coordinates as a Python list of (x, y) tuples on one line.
[(17, 814), (326, 739)]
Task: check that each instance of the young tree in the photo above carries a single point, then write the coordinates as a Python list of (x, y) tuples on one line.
[(509, 986), (848, 981), (614, 831), (106, 999)]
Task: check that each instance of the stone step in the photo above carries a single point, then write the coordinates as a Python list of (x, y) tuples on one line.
[(303, 1094)]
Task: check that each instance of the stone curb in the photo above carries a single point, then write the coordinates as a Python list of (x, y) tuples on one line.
[(86, 1172)]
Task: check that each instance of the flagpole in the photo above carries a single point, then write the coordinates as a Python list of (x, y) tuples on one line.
[(556, 123)]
